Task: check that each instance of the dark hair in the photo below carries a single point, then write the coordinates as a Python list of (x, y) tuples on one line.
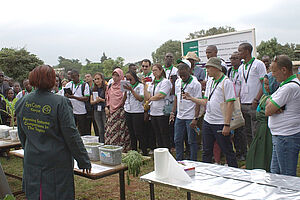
[(42, 77), (283, 61), (103, 86), (183, 66), (147, 60), (6, 92), (74, 71), (159, 66), (133, 74), (247, 46), (213, 47)]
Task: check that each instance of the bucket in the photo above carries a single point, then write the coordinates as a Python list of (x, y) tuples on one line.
[(111, 154)]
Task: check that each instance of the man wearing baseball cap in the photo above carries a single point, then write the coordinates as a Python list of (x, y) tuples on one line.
[(215, 126), (187, 111)]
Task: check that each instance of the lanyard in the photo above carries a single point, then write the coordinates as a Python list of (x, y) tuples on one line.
[(185, 84), (133, 86), (170, 72), (76, 88), (218, 81), (233, 75), (246, 78)]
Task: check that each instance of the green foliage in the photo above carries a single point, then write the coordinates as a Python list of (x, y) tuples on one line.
[(10, 109), (103, 58), (68, 64), (134, 161), (91, 68), (17, 63), (109, 64), (9, 197), (209, 32), (273, 48), (170, 46)]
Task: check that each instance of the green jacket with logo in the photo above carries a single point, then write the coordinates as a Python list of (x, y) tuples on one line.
[(50, 139)]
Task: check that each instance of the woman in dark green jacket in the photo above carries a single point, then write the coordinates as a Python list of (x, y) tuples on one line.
[(50, 140)]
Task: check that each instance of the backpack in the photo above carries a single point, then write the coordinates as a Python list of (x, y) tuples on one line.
[(88, 105)]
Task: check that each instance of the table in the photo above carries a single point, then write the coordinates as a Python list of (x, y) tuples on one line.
[(231, 183), (98, 171), (6, 145)]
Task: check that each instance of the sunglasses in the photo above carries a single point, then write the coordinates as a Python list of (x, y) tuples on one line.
[(145, 66)]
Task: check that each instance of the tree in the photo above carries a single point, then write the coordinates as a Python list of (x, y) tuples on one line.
[(68, 64), (209, 32), (170, 46), (273, 48), (91, 68), (109, 65), (17, 63), (103, 57)]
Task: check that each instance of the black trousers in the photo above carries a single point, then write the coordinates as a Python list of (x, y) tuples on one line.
[(160, 125), (136, 127), (83, 124)]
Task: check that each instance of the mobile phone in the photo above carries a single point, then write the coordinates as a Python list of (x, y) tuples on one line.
[(148, 79), (68, 91)]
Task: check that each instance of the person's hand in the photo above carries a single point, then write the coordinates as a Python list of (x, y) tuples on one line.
[(254, 104), (67, 95), (279, 111), (193, 124), (143, 80), (171, 118), (226, 130), (107, 111), (127, 87), (186, 96), (87, 171), (99, 99)]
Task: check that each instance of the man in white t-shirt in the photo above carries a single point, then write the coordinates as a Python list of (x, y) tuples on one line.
[(187, 111), (251, 75), (216, 127), (283, 109), (78, 97)]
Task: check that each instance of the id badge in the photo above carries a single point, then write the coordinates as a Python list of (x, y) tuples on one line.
[(181, 104), (99, 108), (246, 89)]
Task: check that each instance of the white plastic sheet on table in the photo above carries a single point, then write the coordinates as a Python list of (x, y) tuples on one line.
[(234, 183)]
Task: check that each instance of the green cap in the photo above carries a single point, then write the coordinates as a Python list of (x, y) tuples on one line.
[(214, 62)]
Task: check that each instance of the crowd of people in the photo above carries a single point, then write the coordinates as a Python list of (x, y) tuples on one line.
[(178, 107)]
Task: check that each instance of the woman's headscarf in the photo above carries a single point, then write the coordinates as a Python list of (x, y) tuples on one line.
[(115, 95), (273, 84)]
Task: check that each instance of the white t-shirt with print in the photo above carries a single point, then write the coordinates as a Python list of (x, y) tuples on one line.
[(186, 108), (250, 89), (164, 87), (213, 113), (78, 106), (287, 122), (132, 105)]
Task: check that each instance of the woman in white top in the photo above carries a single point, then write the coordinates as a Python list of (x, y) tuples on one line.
[(134, 111), (156, 94)]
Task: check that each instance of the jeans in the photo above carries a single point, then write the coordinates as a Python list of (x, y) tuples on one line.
[(210, 134), (285, 154), (180, 126), (100, 118)]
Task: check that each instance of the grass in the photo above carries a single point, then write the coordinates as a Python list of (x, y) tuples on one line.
[(108, 188)]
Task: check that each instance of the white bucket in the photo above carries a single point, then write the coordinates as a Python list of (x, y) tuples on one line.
[(14, 135)]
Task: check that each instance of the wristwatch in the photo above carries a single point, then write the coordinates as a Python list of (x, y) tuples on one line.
[(196, 118)]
